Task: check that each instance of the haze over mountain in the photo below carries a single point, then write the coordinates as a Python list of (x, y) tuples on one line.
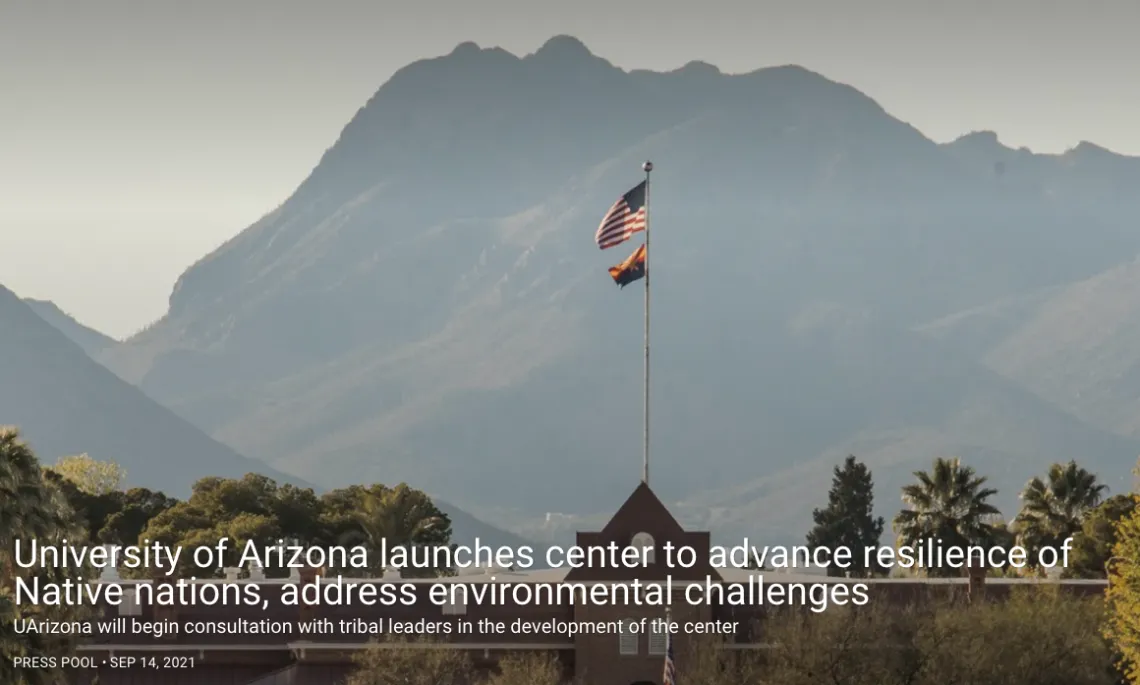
[(1074, 345), (429, 306), (90, 340), (65, 403)]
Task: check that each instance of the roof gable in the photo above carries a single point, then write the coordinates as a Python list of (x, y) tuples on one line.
[(642, 504), (645, 516)]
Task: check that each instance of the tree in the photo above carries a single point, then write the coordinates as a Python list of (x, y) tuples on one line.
[(1092, 545), (397, 661), (949, 504), (251, 509), (871, 645), (1122, 626), (528, 668), (403, 517), (32, 507), (1052, 509), (1038, 636), (29, 508), (849, 520), (256, 509), (90, 510), (296, 510), (92, 476), (705, 662), (114, 517), (340, 515), (137, 506)]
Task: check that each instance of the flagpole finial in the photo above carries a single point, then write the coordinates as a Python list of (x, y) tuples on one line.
[(647, 167)]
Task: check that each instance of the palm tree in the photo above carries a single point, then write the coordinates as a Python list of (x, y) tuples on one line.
[(948, 503), (403, 517), (30, 508), (1053, 509)]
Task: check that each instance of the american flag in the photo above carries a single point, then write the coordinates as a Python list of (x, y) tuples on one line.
[(626, 217), (670, 676)]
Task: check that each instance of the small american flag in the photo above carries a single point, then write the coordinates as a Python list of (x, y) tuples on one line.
[(626, 217), (670, 676)]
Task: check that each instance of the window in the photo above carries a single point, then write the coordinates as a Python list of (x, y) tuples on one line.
[(644, 541), (629, 638), (657, 633), (457, 601), (128, 606)]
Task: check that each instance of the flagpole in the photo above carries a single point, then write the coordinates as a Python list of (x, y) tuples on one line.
[(647, 167)]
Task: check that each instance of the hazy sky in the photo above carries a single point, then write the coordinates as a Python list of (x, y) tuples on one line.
[(137, 136)]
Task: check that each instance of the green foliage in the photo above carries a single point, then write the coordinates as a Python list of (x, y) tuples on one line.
[(948, 503), (1092, 545), (395, 661), (703, 661), (257, 509), (1006, 539), (114, 517), (849, 520), (1036, 638), (1052, 509), (28, 507), (31, 507), (1123, 623), (403, 517), (254, 508), (136, 507), (527, 668)]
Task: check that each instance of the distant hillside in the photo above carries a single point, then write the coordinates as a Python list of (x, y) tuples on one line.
[(160, 467), (92, 341), (905, 402), (65, 403), (429, 305), (1076, 346)]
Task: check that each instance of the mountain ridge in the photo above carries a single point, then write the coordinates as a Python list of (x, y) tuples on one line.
[(65, 403), (160, 473), (92, 341), (426, 303)]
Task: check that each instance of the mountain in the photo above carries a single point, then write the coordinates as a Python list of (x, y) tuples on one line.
[(65, 403), (428, 305), (1075, 345), (92, 341), (931, 400)]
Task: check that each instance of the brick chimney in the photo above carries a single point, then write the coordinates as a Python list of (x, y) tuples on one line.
[(976, 584)]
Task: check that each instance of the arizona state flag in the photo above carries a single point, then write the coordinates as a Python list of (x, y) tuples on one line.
[(632, 269)]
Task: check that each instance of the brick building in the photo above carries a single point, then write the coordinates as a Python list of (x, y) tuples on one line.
[(289, 658)]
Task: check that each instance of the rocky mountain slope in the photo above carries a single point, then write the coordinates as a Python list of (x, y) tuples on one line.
[(69, 395), (429, 305), (92, 341), (1074, 345), (64, 403)]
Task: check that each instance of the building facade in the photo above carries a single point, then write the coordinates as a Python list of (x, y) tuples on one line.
[(283, 655)]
